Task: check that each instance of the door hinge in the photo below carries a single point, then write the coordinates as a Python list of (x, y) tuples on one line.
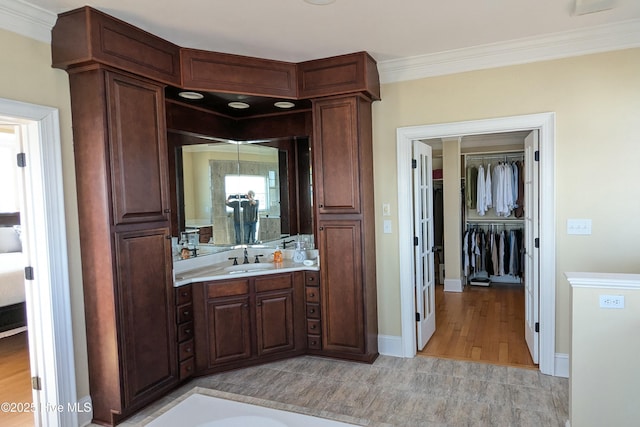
[(417, 317), (536, 156), (28, 273), (21, 158), (414, 163), (36, 384), (415, 241), (536, 242), (537, 327)]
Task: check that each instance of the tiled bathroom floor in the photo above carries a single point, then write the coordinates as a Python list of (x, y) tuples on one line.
[(423, 391)]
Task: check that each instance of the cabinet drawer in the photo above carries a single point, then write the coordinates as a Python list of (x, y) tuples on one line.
[(186, 368), (185, 350), (313, 311), (312, 294), (185, 331), (312, 278), (227, 289), (274, 283), (183, 295), (314, 342), (313, 326), (185, 313)]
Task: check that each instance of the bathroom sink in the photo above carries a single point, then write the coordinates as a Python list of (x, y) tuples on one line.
[(247, 268)]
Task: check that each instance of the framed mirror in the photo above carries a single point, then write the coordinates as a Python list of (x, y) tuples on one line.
[(231, 193)]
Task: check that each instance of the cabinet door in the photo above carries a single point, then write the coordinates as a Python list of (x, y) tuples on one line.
[(138, 150), (228, 329), (342, 304), (146, 326), (336, 162), (274, 322)]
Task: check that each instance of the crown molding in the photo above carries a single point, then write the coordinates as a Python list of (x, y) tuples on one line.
[(34, 22), (27, 20), (602, 38)]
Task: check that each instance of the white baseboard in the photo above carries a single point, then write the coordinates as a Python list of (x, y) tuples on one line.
[(453, 285), (561, 365), (12, 332), (84, 418), (390, 345)]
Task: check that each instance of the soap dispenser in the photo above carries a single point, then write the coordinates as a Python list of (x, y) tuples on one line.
[(277, 255)]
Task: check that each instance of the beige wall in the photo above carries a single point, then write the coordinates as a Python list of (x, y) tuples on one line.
[(604, 376), (597, 105), (26, 75)]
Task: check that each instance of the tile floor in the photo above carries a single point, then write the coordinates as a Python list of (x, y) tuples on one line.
[(423, 391)]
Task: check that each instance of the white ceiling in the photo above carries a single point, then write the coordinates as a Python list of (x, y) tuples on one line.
[(294, 31)]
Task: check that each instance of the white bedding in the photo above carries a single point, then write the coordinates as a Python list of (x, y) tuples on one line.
[(11, 278)]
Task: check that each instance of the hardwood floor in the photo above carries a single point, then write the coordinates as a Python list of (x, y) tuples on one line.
[(15, 379), (481, 324)]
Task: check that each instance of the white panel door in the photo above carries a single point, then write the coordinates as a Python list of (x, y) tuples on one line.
[(531, 232), (423, 232)]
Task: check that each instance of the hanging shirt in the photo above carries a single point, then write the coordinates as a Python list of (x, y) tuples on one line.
[(487, 189), (481, 200)]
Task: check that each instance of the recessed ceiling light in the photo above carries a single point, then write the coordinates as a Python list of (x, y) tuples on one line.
[(191, 95), (238, 105), (320, 2), (284, 104)]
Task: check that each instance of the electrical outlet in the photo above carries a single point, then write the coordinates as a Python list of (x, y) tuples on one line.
[(386, 226), (611, 301)]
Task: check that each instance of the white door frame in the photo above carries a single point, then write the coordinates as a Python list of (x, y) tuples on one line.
[(45, 247), (545, 123)]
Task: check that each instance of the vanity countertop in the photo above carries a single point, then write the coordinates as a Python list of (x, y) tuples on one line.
[(227, 270)]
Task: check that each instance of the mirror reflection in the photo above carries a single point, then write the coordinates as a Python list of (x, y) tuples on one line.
[(231, 193)]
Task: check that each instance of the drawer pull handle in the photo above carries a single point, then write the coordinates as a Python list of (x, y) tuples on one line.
[(312, 310), (313, 326), (312, 295), (187, 313), (311, 279), (187, 331), (188, 349)]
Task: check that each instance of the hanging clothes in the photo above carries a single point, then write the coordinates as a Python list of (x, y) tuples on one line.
[(471, 187), (481, 199)]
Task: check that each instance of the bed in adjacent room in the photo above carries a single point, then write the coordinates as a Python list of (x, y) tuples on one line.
[(12, 295)]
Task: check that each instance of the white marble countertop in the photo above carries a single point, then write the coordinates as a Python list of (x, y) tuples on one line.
[(204, 269)]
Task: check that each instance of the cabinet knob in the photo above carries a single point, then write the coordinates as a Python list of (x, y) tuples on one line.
[(321, 228), (322, 205), (313, 310), (167, 210), (186, 313), (188, 350), (184, 294), (245, 305), (312, 295), (187, 331), (311, 279), (188, 368), (313, 326)]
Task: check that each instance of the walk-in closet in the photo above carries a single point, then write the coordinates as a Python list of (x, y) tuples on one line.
[(484, 236)]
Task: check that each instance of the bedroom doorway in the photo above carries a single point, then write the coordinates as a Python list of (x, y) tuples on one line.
[(48, 308), (15, 373)]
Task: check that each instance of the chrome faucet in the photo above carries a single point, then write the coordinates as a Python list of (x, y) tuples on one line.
[(246, 257)]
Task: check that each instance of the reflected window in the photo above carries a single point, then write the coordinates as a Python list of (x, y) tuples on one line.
[(241, 184)]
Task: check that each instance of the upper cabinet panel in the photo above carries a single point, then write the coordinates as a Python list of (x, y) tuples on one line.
[(86, 35), (138, 147), (356, 72), (220, 72)]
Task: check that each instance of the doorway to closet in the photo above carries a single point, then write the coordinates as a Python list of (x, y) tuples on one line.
[(542, 289)]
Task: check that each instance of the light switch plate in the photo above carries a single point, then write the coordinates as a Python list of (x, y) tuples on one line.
[(579, 226), (386, 209)]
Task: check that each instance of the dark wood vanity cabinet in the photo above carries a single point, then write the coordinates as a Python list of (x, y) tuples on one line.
[(343, 177), (121, 175), (185, 331), (246, 321), (117, 75)]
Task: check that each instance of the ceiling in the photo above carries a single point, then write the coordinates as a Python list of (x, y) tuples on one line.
[(295, 31)]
